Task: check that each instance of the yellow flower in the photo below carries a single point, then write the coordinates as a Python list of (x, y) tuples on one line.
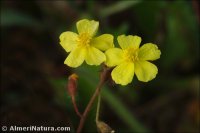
[(132, 59), (84, 46)]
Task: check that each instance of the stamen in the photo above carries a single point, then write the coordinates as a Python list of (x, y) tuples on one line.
[(84, 40), (131, 54)]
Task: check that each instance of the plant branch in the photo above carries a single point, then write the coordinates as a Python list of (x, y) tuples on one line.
[(103, 78)]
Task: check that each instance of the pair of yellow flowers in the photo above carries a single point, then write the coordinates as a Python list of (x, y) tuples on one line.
[(128, 60)]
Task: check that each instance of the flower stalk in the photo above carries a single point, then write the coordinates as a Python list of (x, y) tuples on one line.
[(72, 89), (103, 78)]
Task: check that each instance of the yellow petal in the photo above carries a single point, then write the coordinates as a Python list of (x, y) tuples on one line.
[(145, 71), (103, 42), (114, 56), (87, 26), (76, 57), (123, 73), (129, 41), (94, 56), (149, 51), (68, 40)]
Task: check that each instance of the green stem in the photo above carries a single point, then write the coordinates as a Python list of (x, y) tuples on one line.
[(98, 107)]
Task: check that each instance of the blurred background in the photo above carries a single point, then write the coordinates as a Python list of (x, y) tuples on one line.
[(34, 77)]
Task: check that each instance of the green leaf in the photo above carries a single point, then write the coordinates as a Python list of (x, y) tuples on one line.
[(117, 7), (182, 32), (122, 111), (10, 17), (146, 16)]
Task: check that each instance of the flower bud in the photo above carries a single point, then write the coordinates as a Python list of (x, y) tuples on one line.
[(72, 84), (103, 127), (72, 88)]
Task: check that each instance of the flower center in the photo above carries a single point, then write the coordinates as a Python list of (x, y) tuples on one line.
[(84, 40), (131, 54)]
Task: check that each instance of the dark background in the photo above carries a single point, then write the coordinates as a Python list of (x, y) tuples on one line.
[(34, 77)]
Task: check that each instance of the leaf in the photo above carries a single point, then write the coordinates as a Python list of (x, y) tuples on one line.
[(146, 17), (117, 7), (125, 115), (13, 18), (181, 35)]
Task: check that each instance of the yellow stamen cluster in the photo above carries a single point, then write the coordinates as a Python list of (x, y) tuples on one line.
[(131, 54), (84, 40)]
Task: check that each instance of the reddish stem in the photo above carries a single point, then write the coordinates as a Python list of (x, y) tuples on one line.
[(103, 78), (75, 106)]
